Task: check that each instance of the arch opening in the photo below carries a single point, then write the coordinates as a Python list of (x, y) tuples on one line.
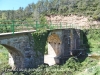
[(54, 45), (54, 49), (14, 56)]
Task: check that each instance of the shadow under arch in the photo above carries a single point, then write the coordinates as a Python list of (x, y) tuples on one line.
[(82, 55), (15, 57)]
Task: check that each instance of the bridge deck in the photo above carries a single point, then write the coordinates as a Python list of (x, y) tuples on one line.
[(10, 33)]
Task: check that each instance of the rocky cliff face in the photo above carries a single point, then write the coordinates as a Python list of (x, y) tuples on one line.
[(73, 19)]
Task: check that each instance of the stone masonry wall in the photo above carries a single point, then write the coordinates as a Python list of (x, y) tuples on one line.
[(21, 50)]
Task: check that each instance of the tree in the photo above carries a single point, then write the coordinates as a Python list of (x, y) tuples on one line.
[(28, 10), (4, 17)]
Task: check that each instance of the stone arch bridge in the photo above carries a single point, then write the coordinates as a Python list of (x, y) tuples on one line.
[(20, 48), (20, 45)]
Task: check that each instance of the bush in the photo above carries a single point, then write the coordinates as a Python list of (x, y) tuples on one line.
[(72, 63)]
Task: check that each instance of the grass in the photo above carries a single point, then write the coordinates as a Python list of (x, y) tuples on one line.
[(3, 58), (93, 40)]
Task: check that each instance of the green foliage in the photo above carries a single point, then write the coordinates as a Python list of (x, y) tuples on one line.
[(89, 67), (72, 67), (54, 7), (72, 63), (92, 39), (40, 36), (89, 62), (40, 39), (5, 28), (43, 22), (3, 59)]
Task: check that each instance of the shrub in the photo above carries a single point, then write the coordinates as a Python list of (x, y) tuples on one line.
[(72, 63)]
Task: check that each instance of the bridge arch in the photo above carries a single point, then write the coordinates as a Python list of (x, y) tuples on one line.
[(21, 50), (54, 44), (15, 57)]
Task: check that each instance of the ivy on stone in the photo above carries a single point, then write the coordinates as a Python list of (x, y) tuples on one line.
[(40, 39)]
